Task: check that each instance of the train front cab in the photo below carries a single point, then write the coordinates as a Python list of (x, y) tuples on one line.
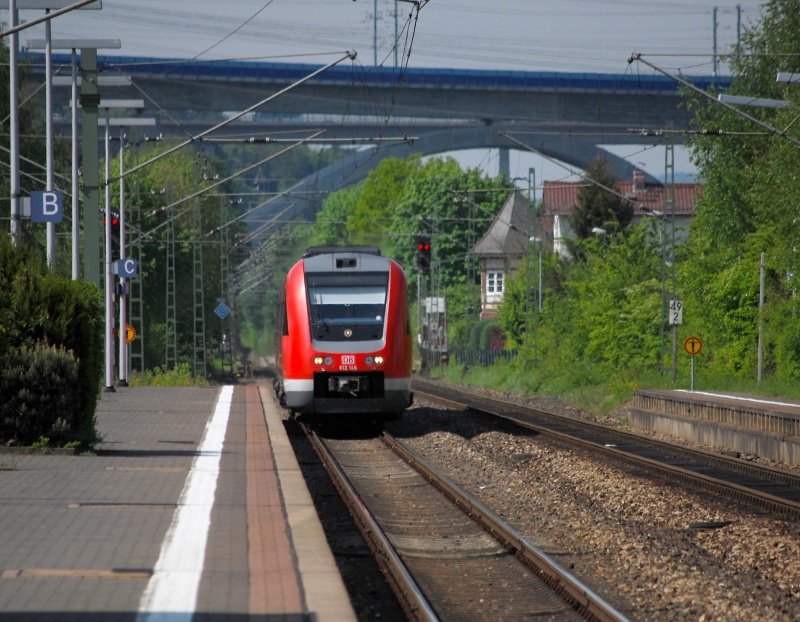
[(346, 344)]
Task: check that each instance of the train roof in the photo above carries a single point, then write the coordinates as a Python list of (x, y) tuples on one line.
[(333, 248)]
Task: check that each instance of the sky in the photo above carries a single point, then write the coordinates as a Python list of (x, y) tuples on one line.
[(524, 35)]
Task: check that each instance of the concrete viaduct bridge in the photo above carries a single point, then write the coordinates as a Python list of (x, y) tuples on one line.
[(560, 115)]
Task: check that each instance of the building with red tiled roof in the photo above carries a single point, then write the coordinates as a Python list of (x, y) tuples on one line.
[(559, 198)]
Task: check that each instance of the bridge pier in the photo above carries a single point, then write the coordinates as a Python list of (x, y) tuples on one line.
[(505, 163)]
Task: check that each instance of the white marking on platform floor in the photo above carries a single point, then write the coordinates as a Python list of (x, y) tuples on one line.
[(743, 399), (171, 593)]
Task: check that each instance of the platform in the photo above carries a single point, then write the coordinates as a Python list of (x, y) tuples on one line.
[(193, 508), (763, 427)]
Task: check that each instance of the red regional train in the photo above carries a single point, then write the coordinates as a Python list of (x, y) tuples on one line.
[(343, 340)]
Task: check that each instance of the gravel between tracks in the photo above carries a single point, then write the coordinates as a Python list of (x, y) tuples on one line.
[(655, 550)]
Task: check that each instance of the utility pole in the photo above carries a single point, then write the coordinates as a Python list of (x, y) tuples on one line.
[(14, 124), (171, 321), (715, 61), (90, 101), (199, 308), (136, 290), (738, 26), (669, 205)]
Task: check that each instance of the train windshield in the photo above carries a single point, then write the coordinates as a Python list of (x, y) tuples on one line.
[(347, 306)]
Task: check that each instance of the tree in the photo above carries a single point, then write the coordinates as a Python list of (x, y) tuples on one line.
[(451, 206), (596, 206), (749, 206), (601, 313), (378, 198), (331, 224)]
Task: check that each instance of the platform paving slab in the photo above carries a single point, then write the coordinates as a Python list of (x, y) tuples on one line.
[(81, 534)]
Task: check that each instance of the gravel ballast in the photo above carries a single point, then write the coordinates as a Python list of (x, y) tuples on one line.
[(656, 550)]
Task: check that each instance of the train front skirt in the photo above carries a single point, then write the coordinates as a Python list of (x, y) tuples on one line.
[(346, 392)]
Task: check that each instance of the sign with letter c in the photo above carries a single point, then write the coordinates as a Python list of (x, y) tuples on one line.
[(127, 268)]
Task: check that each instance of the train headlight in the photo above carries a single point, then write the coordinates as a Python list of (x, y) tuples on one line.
[(379, 360), (323, 360), (318, 360)]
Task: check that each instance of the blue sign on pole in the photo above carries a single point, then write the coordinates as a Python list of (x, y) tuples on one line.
[(127, 268), (222, 310), (47, 206)]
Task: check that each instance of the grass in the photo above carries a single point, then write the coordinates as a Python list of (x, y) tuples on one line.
[(602, 391), (179, 376)]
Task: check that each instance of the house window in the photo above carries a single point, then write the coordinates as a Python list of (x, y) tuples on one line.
[(494, 283)]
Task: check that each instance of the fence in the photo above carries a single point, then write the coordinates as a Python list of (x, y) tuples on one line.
[(481, 357)]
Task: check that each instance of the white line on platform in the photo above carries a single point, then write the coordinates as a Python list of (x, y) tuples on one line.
[(171, 593), (743, 399)]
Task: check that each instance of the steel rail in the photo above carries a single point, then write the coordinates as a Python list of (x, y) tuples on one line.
[(409, 594), (729, 489), (564, 583)]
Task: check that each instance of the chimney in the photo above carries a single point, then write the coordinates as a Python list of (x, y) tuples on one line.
[(638, 180)]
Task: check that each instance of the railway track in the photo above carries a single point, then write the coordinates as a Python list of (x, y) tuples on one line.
[(447, 555), (767, 488)]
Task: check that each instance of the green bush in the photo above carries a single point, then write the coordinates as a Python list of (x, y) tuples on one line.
[(475, 332), (491, 337), (39, 389), (39, 309)]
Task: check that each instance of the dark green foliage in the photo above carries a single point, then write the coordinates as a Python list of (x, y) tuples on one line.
[(463, 306), (475, 332), (40, 395), (491, 337), (602, 313), (451, 206), (486, 335), (40, 310), (598, 207)]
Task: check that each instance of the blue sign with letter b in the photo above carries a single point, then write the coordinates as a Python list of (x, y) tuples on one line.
[(47, 206)]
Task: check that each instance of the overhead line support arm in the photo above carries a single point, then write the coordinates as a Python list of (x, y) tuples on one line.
[(741, 113)]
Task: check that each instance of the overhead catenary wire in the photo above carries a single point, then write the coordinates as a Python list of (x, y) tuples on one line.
[(577, 172), (638, 57), (234, 31), (211, 187), (350, 54)]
